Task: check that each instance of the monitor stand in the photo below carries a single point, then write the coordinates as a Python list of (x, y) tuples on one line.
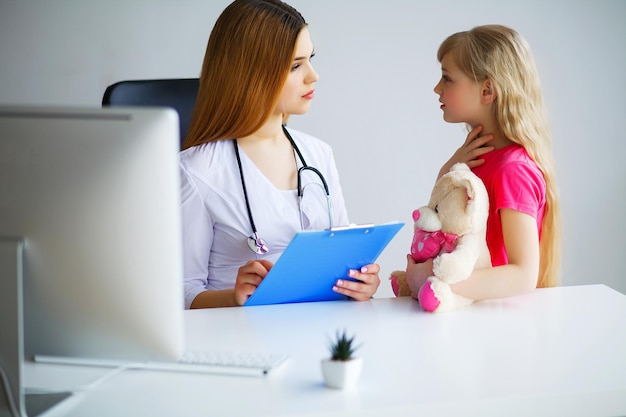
[(14, 401)]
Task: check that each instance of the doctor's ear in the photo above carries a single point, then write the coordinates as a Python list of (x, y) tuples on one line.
[(488, 93)]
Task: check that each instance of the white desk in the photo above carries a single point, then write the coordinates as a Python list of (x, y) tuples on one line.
[(555, 352)]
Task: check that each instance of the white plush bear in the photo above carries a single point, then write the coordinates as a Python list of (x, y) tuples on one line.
[(452, 230)]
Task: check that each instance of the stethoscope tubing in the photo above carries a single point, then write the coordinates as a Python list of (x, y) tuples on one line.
[(256, 244)]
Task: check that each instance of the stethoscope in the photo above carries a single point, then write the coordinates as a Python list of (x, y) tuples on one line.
[(256, 244)]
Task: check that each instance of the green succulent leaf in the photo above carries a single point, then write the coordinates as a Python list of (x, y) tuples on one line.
[(342, 347)]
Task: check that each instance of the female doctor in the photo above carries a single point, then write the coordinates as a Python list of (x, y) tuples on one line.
[(242, 168)]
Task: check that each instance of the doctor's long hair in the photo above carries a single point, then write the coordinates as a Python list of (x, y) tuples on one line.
[(499, 54), (247, 60)]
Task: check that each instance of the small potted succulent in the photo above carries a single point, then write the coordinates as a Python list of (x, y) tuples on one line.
[(342, 369)]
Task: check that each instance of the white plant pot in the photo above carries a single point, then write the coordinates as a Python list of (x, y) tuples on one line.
[(341, 374)]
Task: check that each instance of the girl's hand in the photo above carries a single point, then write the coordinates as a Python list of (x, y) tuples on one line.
[(249, 277), (364, 288), (471, 151), (417, 274)]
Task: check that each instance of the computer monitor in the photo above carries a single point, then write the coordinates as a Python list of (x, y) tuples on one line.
[(94, 194)]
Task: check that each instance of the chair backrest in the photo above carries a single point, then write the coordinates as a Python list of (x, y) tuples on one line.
[(179, 94)]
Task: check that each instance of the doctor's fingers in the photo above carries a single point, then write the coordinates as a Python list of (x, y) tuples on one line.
[(368, 279), (371, 269), (356, 290), (367, 275), (258, 267)]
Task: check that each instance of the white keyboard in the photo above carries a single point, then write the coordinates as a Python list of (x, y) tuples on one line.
[(232, 363), (208, 362)]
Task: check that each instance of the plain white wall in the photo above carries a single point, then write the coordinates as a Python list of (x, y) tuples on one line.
[(374, 102)]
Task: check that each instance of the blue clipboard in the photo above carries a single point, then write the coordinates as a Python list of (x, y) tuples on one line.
[(314, 260)]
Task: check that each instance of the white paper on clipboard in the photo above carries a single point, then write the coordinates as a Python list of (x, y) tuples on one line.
[(314, 260)]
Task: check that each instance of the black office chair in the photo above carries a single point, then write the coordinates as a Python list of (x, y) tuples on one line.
[(179, 94)]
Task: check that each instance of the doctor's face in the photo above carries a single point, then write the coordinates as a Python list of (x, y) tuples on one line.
[(299, 88)]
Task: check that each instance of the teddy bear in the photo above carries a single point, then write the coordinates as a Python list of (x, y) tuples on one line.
[(451, 229)]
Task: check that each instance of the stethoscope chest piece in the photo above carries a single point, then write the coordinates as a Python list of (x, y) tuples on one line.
[(257, 245)]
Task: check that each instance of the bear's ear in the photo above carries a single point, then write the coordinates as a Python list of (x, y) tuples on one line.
[(459, 166), (468, 186)]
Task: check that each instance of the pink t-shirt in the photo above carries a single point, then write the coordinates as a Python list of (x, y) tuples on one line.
[(514, 181)]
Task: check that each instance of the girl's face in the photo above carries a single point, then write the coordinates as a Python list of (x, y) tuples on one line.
[(299, 89), (459, 95)]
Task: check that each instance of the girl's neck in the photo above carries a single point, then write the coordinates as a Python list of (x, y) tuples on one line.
[(499, 139)]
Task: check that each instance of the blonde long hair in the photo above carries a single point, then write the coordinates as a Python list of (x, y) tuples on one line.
[(499, 54), (247, 60)]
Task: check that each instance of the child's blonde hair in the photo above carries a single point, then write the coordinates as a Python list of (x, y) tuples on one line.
[(499, 54)]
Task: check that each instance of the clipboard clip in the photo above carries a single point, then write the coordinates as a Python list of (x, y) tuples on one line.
[(352, 226)]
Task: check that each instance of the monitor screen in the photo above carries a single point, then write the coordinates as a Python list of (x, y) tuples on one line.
[(95, 196)]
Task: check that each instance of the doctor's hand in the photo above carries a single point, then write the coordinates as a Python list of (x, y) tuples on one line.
[(364, 288), (249, 277), (471, 151)]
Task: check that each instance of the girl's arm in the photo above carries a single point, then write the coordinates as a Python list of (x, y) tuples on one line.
[(521, 240), (520, 275), (417, 274)]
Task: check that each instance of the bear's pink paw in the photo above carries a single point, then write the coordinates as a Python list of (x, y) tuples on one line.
[(394, 285), (427, 298)]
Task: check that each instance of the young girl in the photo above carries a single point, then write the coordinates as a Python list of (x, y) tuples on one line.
[(489, 81), (240, 166)]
